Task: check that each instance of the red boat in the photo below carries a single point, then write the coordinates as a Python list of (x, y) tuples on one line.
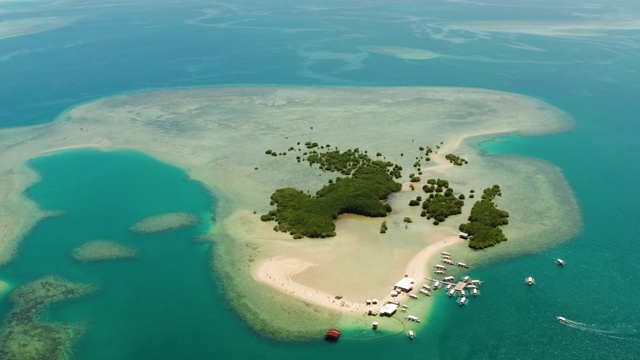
[(332, 335)]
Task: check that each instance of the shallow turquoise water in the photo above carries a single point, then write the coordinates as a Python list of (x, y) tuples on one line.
[(148, 309)]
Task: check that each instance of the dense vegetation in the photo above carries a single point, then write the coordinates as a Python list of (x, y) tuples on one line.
[(365, 184), (485, 221), (455, 159), (442, 204)]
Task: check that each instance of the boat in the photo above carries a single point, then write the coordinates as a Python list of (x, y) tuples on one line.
[(413, 318), (560, 262), (463, 265), (436, 284), (450, 286), (446, 257), (425, 292), (466, 278), (426, 287), (463, 301), (475, 292), (439, 272), (447, 261), (374, 325), (439, 267), (452, 292), (413, 296), (445, 253), (530, 281), (562, 319), (332, 335), (411, 334)]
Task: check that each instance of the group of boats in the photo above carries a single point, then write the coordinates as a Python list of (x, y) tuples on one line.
[(530, 280)]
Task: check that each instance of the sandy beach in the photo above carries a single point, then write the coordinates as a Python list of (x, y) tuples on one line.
[(219, 136), (277, 272)]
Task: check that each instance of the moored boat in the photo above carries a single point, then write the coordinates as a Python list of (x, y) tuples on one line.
[(530, 281), (411, 334), (332, 335)]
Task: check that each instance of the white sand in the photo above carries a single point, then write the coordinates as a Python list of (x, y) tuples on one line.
[(278, 271), (219, 136)]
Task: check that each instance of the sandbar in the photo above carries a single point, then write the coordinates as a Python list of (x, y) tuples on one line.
[(402, 52), (569, 28), (219, 136), (101, 250), (165, 222), (21, 27)]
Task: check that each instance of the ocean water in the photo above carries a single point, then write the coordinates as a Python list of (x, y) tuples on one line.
[(166, 304)]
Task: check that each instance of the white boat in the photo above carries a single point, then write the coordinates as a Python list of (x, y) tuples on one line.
[(466, 278), (436, 285), (447, 261), (448, 278), (439, 267), (561, 319), (439, 272), (445, 253), (463, 301), (475, 292), (413, 318), (411, 334), (446, 257), (425, 292), (560, 262), (463, 265), (530, 281), (450, 286), (374, 325), (471, 286), (426, 287), (413, 296), (476, 282), (452, 292)]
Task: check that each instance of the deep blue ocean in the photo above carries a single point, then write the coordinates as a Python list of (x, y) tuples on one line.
[(145, 309)]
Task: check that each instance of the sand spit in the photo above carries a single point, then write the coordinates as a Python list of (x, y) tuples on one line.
[(100, 250), (165, 222), (220, 135), (3, 286)]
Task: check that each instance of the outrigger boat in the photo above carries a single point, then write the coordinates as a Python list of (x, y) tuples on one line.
[(561, 319), (463, 300), (529, 281), (560, 262)]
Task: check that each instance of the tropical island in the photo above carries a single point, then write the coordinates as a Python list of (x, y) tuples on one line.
[(284, 287)]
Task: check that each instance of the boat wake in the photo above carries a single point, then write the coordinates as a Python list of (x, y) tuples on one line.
[(612, 332)]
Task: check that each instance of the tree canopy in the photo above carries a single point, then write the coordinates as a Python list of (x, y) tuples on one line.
[(485, 221)]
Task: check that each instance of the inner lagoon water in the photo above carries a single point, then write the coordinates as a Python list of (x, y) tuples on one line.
[(166, 304)]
